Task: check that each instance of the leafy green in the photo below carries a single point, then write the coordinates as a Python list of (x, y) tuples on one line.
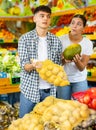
[(10, 64), (1, 64)]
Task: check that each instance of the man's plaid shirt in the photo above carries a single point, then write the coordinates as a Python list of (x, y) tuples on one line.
[(28, 49)]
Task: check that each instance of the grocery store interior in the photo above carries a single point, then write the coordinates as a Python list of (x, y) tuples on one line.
[(16, 18)]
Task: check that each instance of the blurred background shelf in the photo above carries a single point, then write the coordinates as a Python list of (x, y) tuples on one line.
[(91, 36), (16, 18), (93, 56), (93, 79), (70, 11)]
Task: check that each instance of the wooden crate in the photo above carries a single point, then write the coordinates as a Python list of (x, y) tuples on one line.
[(4, 81), (9, 89)]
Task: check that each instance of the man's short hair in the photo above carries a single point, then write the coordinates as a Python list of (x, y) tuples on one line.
[(43, 8)]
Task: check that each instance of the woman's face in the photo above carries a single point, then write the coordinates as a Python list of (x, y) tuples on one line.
[(76, 26)]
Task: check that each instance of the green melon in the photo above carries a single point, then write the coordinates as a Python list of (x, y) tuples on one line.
[(71, 51)]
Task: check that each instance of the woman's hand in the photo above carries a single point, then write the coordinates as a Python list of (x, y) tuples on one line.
[(64, 60), (68, 61), (81, 61), (76, 58)]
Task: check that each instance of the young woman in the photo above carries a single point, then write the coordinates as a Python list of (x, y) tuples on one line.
[(76, 69)]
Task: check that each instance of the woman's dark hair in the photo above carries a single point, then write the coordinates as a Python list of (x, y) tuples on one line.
[(42, 8), (82, 17)]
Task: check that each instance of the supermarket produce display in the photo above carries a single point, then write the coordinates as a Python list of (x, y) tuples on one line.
[(9, 66), (52, 113), (14, 8)]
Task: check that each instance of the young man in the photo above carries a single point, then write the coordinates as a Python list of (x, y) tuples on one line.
[(39, 45)]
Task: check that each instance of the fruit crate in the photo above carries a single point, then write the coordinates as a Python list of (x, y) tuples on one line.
[(4, 81)]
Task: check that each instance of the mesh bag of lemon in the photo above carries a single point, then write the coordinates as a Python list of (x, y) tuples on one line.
[(53, 114), (53, 73)]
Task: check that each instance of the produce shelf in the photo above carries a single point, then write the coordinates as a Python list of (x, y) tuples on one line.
[(16, 18), (57, 13), (91, 36), (93, 79), (2, 41), (9, 89), (63, 12), (93, 56)]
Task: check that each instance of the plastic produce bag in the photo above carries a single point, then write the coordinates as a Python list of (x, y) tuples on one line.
[(87, 97)]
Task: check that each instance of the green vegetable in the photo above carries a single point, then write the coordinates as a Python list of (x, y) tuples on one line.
[(10, 64)]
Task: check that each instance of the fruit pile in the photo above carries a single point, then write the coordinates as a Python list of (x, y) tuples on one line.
[(65, 19), (89, 29), (60, 31), (43, 2), (7, 115), (53, 114), (7, 36), (89, 123), (65, 115), (53, 73)]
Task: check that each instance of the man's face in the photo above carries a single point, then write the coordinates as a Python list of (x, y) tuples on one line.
[(42, 19)]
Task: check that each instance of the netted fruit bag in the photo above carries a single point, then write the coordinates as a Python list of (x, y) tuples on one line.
[(53, 73)]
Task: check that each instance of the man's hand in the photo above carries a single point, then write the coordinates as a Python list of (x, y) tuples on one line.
[(33, 65), (37, 65)]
